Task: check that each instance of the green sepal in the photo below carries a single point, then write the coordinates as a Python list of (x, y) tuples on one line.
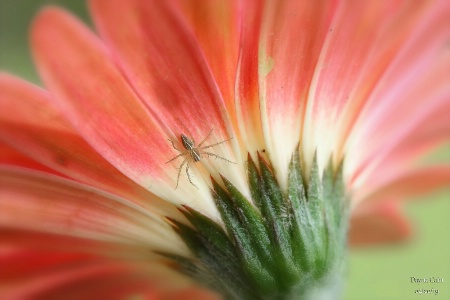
[(223, 274), (276, 213), (244, 239), (277, 245), (255, 182), (212, 231), (252, 222), (317, 212), (340, 208), (215, 239), (302, 226), (336, 208), (183, 265)]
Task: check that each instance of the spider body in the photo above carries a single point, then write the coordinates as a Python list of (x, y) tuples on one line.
[(189, 145), (194, 154)]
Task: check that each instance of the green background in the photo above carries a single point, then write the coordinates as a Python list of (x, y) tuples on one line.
[(382, 272)]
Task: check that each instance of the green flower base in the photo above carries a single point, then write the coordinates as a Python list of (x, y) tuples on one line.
[(285, 246)]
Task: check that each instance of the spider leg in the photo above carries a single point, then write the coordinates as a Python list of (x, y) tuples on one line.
[(204, 140), (217, 156), (212, 145), (181, 154), (189, 176), (173, 145), (179, 171)]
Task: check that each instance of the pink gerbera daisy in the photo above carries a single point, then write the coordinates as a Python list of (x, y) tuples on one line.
[(218, 144)]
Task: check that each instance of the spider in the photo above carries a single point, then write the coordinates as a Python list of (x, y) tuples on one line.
[(194, 153)]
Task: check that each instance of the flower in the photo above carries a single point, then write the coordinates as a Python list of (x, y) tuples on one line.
[(305, 105)]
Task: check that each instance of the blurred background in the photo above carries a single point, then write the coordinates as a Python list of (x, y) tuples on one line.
[(382, 272)]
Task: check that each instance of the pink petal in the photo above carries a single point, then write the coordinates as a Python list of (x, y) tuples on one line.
[(216, 25), (429, 123), (10, 156), (75, 51), (407, 184), (433, 132), (44, 241), (411, 89), (292, 36), (49, 204), (420, 121), (161, 58), (359, 56), (104, 108), (379, 224), (18, 261), (38, 130), (49, 275), (425, 137), (247, 102)]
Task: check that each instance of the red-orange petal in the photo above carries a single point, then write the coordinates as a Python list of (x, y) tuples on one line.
[(429, 128), (380, 224), (409, 91), (162, 60), (104, 108), (39, 131), (45, 241), (247, 101), (369, 67), (37, 274), (410, 183), (50, 204), (217, 26), (291, 41), (12, 157), (100, 103)]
